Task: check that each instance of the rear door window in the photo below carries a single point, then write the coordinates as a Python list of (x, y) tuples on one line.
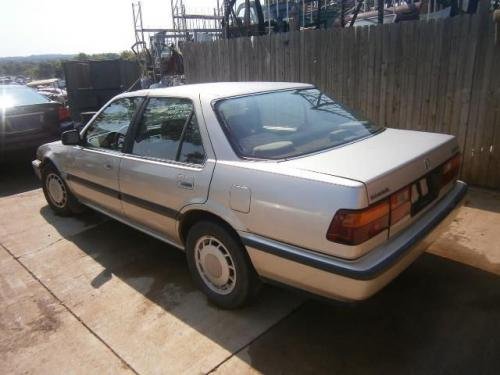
[(191, 150), (168, 130)]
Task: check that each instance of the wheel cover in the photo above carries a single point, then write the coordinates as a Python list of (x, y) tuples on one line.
[(215, 265), (56, 189)]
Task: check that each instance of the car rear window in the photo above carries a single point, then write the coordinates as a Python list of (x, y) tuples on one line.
[(12, 96), (284, 124)]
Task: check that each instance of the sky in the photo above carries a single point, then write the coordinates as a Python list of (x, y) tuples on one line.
[(33, 27)]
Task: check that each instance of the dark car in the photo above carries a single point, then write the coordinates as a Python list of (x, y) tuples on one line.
[(28, 119)]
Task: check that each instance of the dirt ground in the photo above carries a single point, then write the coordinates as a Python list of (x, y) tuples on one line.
[(90, 295)]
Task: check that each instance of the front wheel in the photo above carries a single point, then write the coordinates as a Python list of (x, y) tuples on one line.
[(220, 266), (57, 194)]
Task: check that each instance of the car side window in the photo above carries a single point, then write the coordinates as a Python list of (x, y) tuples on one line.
[(109, 128), (168, 131), (191, 150)]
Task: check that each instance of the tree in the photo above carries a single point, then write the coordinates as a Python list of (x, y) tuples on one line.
[(82, 56), (127, 55)]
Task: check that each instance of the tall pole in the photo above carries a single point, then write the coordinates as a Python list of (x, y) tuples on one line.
[(140, 20), (303, 13), (380, 5), (135, 23), (173, 16), (269, 17)]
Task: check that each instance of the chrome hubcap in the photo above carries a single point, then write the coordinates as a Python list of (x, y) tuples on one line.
[(215, 265), (56, 190)]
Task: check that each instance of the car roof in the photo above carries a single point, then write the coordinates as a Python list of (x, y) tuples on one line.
[(219, 90)]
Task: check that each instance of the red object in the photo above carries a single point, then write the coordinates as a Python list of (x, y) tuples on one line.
[(64, 113), (352, 227), (450, 170), (400, 204)]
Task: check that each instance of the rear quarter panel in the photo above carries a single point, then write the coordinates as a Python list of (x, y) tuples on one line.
[(291, 206)]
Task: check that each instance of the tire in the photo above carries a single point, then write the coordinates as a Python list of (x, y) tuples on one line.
[(228, 285), (57, 193)]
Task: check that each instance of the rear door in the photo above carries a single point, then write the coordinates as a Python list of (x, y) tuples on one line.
[(93, 169), (168, 165)]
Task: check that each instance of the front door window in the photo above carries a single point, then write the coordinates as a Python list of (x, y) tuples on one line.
[(108, 130)]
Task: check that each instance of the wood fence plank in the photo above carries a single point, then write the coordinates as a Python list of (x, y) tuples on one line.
[(487, 113), (430, 117), (478, 96), (426, 78)]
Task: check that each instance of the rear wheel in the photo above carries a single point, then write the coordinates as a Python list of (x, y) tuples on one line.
[(220, 266), (57, 194)]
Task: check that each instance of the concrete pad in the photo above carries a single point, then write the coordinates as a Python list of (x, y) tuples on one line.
[(27, 224), (17, 176), (438, 317), (137, 295), (474, 237), (38, 335)]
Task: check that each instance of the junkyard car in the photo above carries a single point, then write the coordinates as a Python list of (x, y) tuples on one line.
[(260, 181), (28, 119)]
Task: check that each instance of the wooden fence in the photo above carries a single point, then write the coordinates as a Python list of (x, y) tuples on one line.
[(439, 76)]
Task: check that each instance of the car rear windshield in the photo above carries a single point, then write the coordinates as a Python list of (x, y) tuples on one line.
[(285, 124), (12, 96)]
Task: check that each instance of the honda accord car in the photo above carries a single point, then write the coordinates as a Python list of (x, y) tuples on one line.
[(260, 182)]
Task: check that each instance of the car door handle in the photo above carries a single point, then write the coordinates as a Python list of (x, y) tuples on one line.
[(108, 167), (185, 182)]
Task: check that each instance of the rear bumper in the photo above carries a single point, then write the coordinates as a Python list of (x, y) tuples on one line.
[(10, 143), (352, 279)]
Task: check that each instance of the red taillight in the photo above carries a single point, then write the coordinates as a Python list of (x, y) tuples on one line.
[(450, 170), (352, 227), (64, 113), (400, 204)]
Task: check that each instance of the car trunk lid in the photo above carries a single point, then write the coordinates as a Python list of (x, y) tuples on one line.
[(31, 119), (385, 162)]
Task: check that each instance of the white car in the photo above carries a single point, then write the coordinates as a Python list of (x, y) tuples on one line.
[(260, 181)]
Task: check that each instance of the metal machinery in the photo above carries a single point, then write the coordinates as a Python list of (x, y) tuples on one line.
[(259, 17), (159, 50)]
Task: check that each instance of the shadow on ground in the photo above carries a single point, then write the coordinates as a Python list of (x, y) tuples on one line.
[(484, 199), (438, 317), (17, 176)]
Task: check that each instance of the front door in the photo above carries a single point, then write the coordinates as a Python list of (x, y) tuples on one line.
[(167, 167), (93, 171)]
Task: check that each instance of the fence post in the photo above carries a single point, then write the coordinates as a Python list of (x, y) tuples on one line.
[(496, 19)]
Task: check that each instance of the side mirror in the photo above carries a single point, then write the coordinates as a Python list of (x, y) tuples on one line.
[(70, 137)]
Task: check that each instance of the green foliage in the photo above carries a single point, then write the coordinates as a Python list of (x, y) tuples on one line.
[(127, 55), (50, 68)]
